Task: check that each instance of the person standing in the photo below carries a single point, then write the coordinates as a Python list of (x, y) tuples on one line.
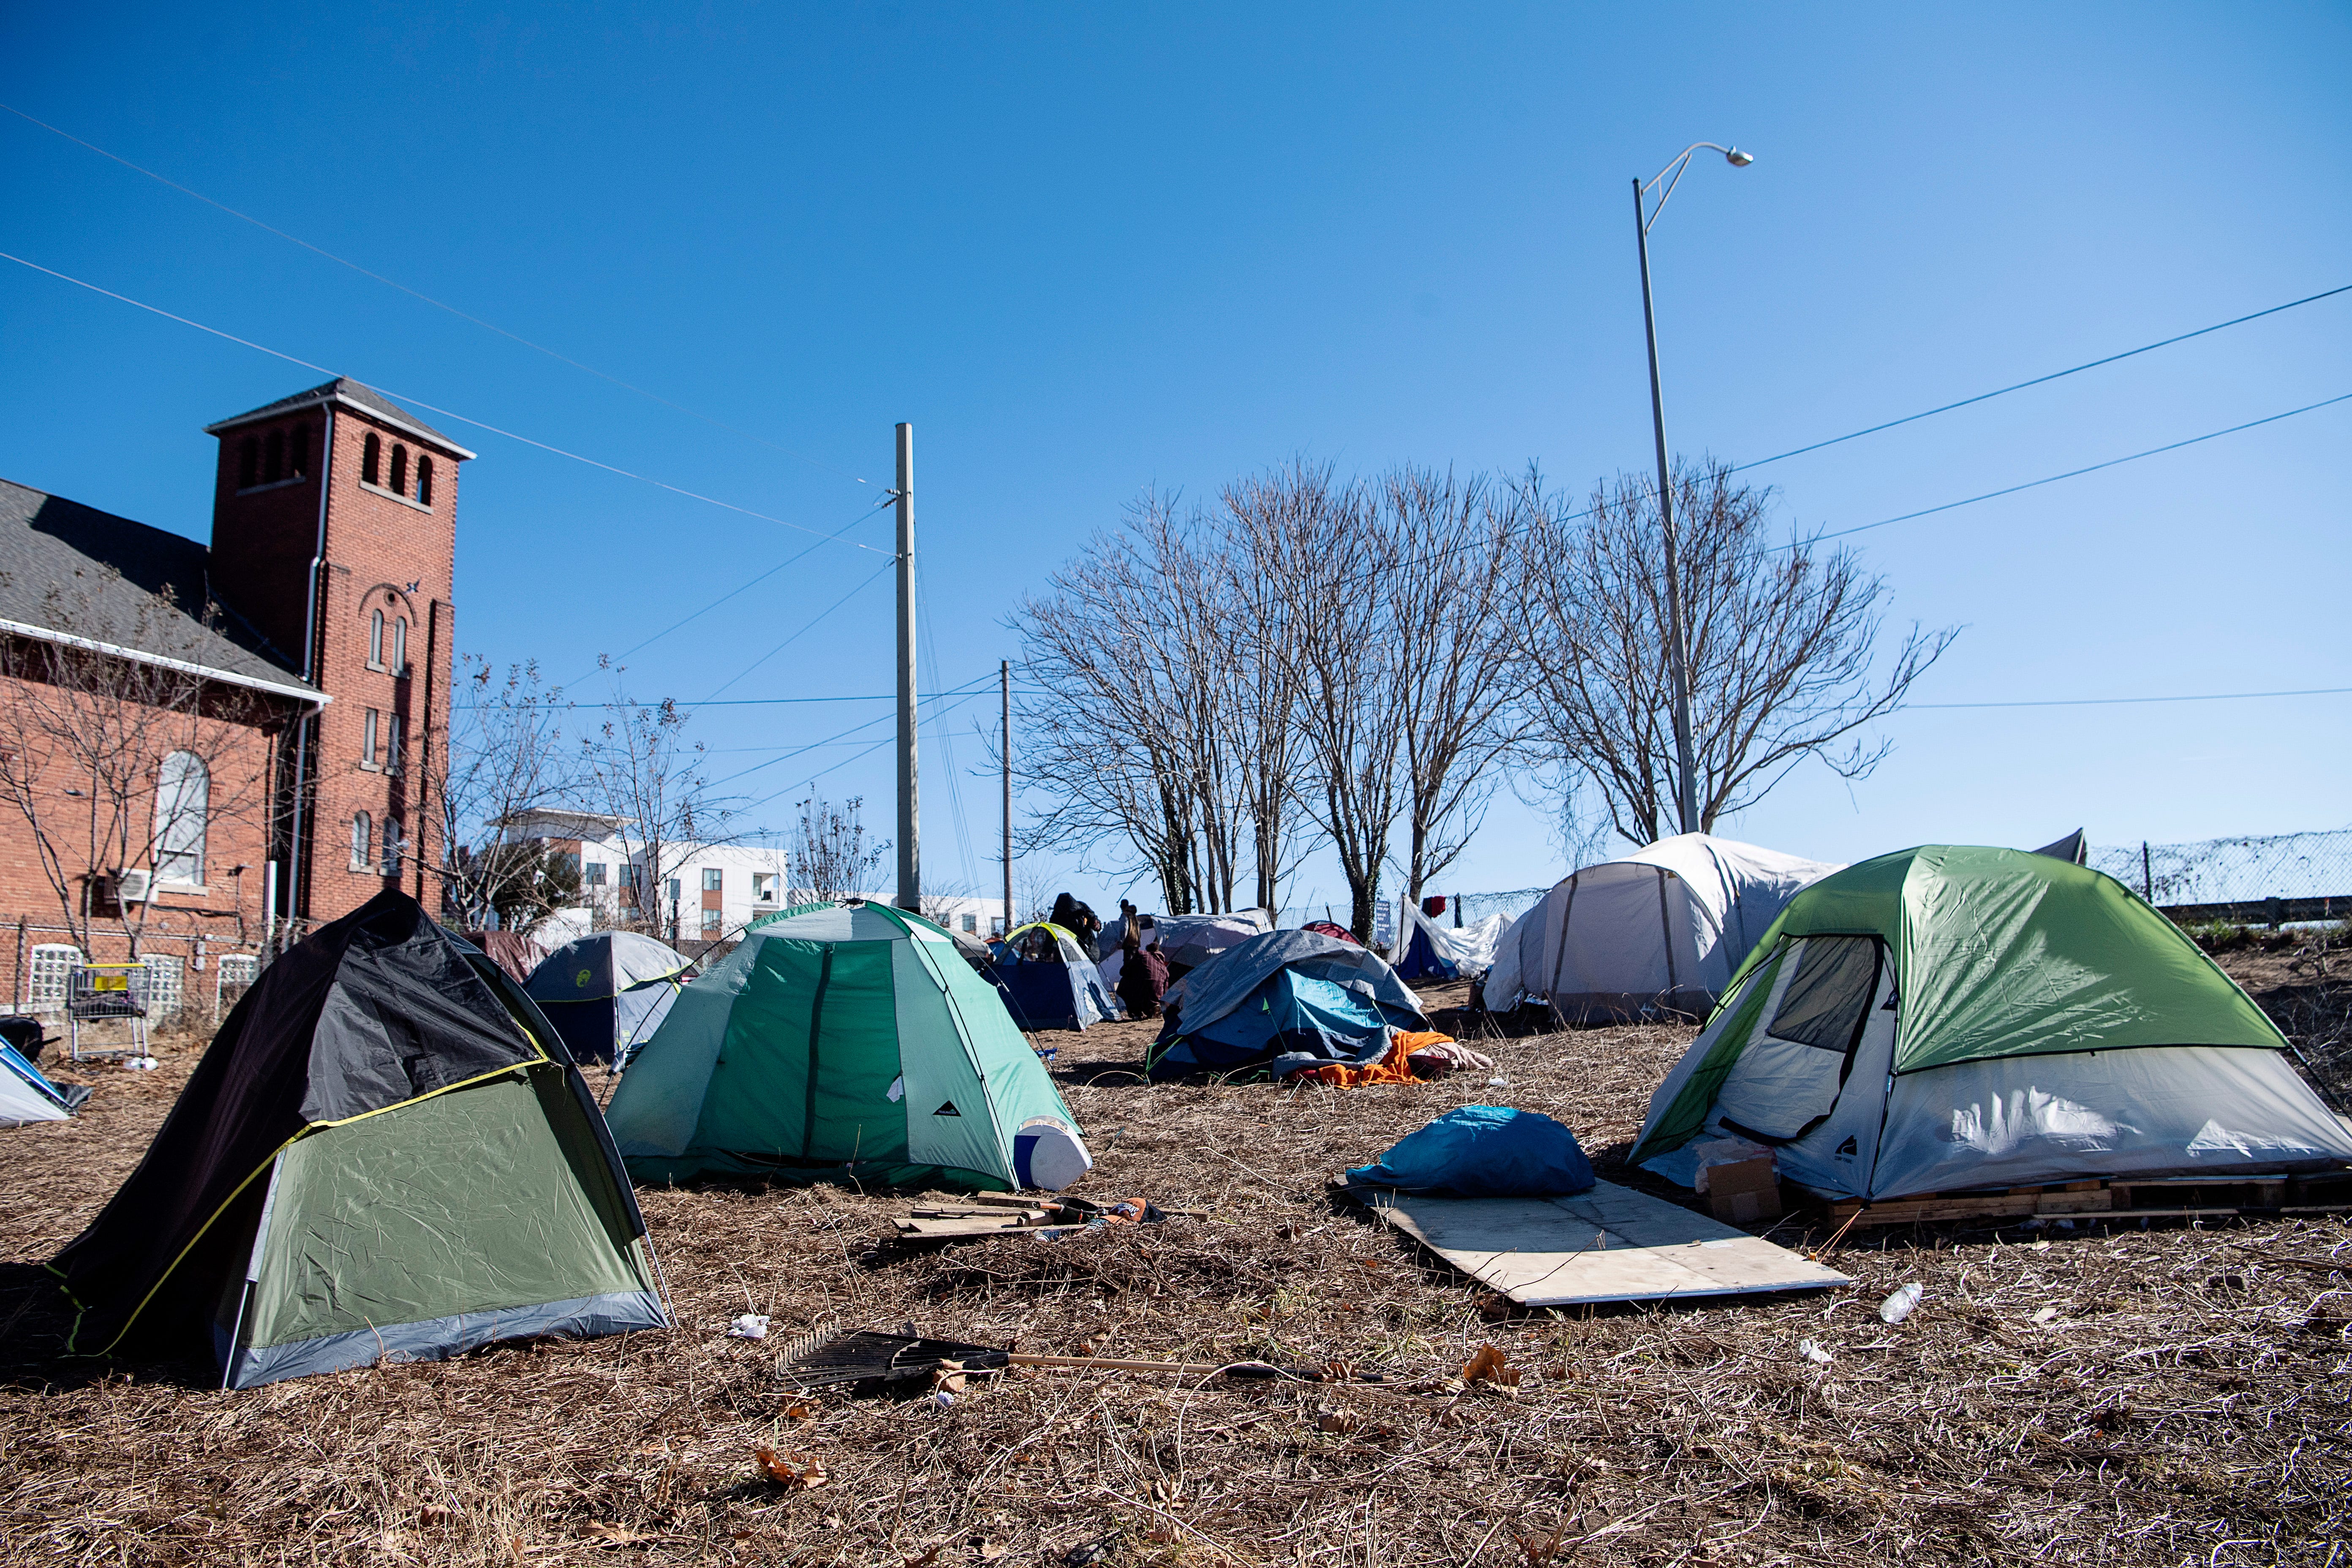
[(1142, 977)]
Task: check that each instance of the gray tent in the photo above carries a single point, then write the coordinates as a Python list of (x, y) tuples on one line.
[(606, 992)]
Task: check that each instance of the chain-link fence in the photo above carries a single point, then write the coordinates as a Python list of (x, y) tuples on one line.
[(2281, 877)]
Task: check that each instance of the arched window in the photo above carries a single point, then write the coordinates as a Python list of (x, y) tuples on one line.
[(392, 846), (182, 800), (371, 458), (363, 840), (375, 639), (275, 469), (400, 468), (248, 463), (300, 451), (424, 481), (400, 645)]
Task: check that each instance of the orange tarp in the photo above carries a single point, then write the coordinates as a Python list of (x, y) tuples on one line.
[(1393, 1068)]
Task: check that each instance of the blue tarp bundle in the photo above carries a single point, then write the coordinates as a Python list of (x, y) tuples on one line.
[(1483, 1152)]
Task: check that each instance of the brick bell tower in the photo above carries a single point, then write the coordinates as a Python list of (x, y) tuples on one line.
[(334, 538)]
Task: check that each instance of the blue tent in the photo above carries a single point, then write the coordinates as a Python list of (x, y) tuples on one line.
[(27, 1096), (1047, 980), (1279, 1002)]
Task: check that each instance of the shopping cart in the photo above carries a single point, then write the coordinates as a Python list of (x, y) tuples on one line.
[(98, 993)]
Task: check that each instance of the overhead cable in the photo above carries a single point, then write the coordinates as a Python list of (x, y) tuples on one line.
[(2107, 701), (427, 299), (2039, 380), (806, 627), (444, 413), (2068, 474)]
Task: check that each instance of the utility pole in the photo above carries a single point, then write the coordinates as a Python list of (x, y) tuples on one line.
[(1685, 785), (1004, 690), (911, 850)]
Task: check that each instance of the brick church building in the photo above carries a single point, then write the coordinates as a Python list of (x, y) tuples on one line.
[(298, 669)]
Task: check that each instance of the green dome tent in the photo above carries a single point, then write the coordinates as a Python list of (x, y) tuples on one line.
[(1947, 1019), (838, 1041), (385, 1152)]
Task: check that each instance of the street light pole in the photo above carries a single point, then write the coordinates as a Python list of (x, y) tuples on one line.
[(1677, 644), (1677, 652)]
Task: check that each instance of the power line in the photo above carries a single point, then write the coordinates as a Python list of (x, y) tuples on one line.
[(444, 413), (2039, 380), (807, 626), (2108, 701), (427, 299), (740, 702), (748, 586), (2070, 473)]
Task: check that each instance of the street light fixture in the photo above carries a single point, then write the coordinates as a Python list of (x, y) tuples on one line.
[(1645, 212)]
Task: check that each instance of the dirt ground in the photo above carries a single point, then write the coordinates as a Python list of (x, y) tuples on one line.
[(2083, 1395)]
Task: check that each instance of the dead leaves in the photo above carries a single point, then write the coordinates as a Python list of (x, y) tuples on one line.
[(794, 1472), (1489, 1365)]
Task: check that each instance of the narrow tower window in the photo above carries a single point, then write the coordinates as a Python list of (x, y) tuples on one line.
[(367, 739), (400, 468), (363, 841), (424, 481), (301, 450), (400, 645), (248, 463), (375, 639), (276, 470), (392, 846), (372, 460)]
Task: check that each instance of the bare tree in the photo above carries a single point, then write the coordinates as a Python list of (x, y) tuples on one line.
[(1254, 631), (830, 856), (1327, 556), (120, 755), (1130, 748), (1782, 641), (639, 767), (1448, 607), (507, 754)]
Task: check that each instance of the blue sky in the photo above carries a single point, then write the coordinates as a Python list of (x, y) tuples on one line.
[(1091, 251)]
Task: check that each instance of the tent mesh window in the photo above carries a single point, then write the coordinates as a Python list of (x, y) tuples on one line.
[(1827, 995), (50, 963)]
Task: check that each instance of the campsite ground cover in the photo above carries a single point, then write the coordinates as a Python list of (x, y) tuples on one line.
[(2159, 1396)]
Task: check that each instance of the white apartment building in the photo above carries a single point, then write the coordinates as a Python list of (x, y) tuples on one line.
[(709, 892)]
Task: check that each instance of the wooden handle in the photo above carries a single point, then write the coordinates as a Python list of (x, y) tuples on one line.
[(1188, 1368)]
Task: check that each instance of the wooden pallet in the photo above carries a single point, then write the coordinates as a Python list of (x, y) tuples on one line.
[(2145, 1197)]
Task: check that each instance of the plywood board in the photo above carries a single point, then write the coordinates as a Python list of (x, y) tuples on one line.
[(1611, 1244)]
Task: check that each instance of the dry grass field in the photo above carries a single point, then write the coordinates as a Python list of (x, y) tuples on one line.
[(2126, 1396)]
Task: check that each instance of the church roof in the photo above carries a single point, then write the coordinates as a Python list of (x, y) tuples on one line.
[(348, 394), (69, 571)]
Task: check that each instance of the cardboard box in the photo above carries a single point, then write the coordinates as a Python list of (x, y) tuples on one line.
[(1746, 1209), (1744, 1192)]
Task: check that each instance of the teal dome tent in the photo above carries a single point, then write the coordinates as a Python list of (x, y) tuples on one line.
[(1955, 1018), (838, 1042)]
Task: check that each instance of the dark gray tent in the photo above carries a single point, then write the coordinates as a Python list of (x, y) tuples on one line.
[(386, 1153), (2075, 850), (606, 992)]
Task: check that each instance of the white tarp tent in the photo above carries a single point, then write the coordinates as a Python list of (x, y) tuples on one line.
[(1658, 931)]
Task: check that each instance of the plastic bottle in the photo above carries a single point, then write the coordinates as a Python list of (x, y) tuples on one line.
[(1897, 1307)]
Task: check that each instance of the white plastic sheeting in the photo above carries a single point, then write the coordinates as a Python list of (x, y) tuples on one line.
[(1662, 929)]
